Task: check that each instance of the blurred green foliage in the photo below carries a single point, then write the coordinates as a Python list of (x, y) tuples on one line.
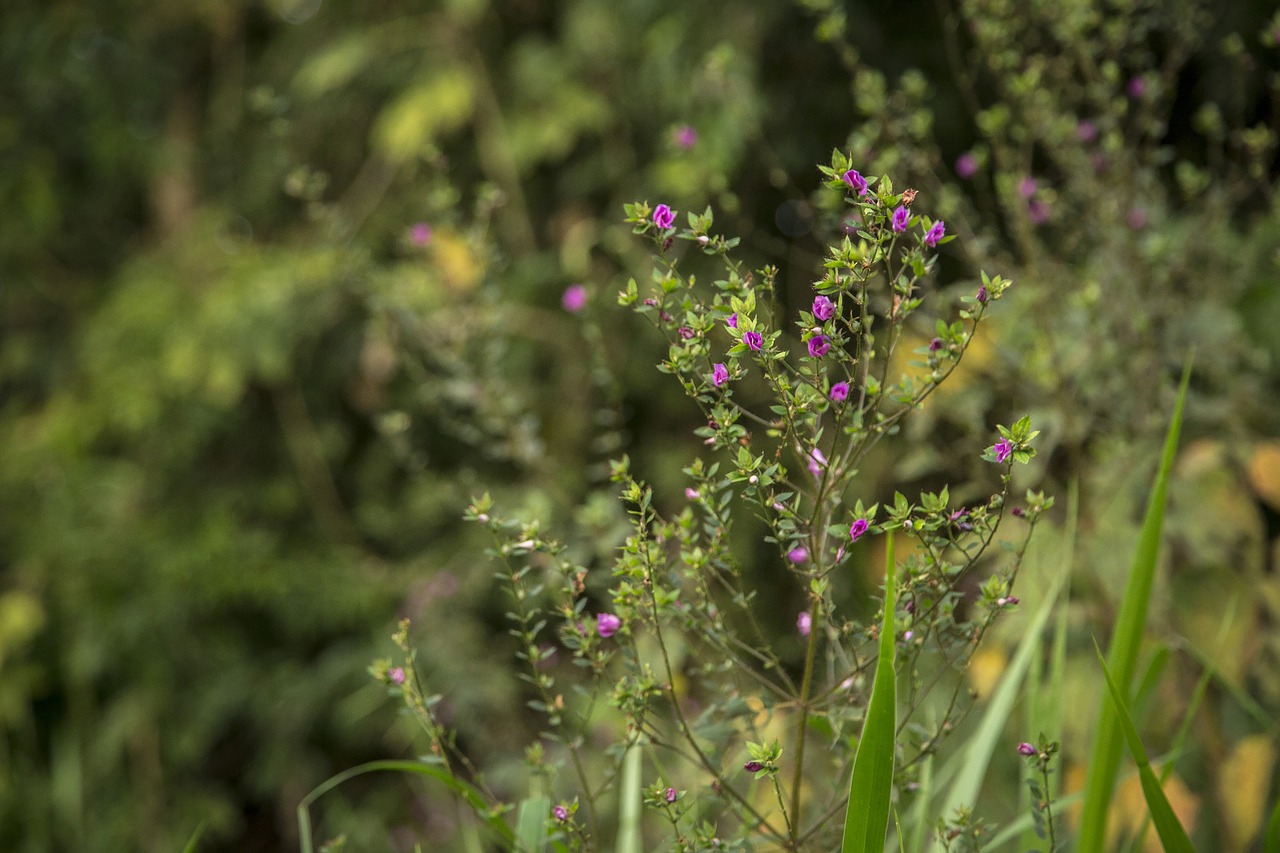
[(242, 407)]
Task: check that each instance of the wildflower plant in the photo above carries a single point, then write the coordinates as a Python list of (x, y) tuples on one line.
[(658, 679)]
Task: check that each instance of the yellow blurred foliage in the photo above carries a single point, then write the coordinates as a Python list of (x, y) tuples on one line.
[(1128, 809), (1264, 473), (1243, 781), (984, 671)]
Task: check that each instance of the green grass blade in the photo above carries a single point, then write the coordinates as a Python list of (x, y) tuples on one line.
[(866, 820), (195, 839), (531, 824), (629, 802), (466, 792), (1123, 655), (1172, 836), (986, 739), (1272, 844)]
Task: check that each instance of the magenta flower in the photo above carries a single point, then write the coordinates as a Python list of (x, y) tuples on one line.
[(560, 813), (1038, 212), (691, 493), (982, 294), (670, 795), (804, 623), (574, 298), (839, 392), (686, 137), (752, 340), (798, 554), (732, 322), (1027, 187), (753, 767), (420, 234), (1137, 87), (817, 461), (607, 625), (966, 165), (855, 180), (1002, 449), (935, 344), (935, 234), (686, 333), (396, 674), (663, 217), (1026, 749), (1086, 131), (823, 308), (819, 345), (858, 528), (719, 375), (900, 218)]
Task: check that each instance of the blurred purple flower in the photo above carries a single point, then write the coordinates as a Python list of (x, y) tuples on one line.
[(691, 493), (560, 813), (1137, 87), (840, 392), (804, 623), (1038, 212), (900, 219), (686, 137), (732, 322), (670, 795), (574, 298), (855, 180), (966, 165), (798, 554), (420, 234), (1026, 749), (817, 461), (1137, 218), (858, 528), (607, 625), (935, 344), (1027, 187), (1086, 131), (1002, 449), (663, 217), (823, 308), (935, 234), (753, 767), (396, 674)]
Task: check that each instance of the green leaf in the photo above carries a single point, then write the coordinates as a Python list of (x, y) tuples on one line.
[(630, 798), (866, 820), (1123, 655), (468, 793), (1172, 836), (531, 824), (195, 839)]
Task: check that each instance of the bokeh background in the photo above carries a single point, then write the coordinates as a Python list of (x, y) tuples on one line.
[(280, 290)]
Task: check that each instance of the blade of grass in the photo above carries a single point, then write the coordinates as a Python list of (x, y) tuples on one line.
[(468, 793), (1123, 655), (866, 820), (1272, 844), (1172, 836), (531, 824), (195, 839), (985, 740), (629, 802)]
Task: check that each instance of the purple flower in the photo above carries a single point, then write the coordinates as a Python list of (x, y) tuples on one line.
[(670, 795), (798, 554), (1026, 749), (753, 767), (855, 180), (858, 528), (1137, 87), (819, 345), (804, 623), (823, 308), (607, 625), (396, 674), (752, 340), (691, 493), (663, 217), (686, 137), (900, 218), (732, 322), (959, 519), (420, 234), (966, 165), (686, 333), (1027, 187), (817, 461), (719, 375), (935, 234), (1086, 131), (1002, 449), (839, 392), (935, 344), (982, 294), (1011, 601), (560, 813), (1137, 218), (574, 298)]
